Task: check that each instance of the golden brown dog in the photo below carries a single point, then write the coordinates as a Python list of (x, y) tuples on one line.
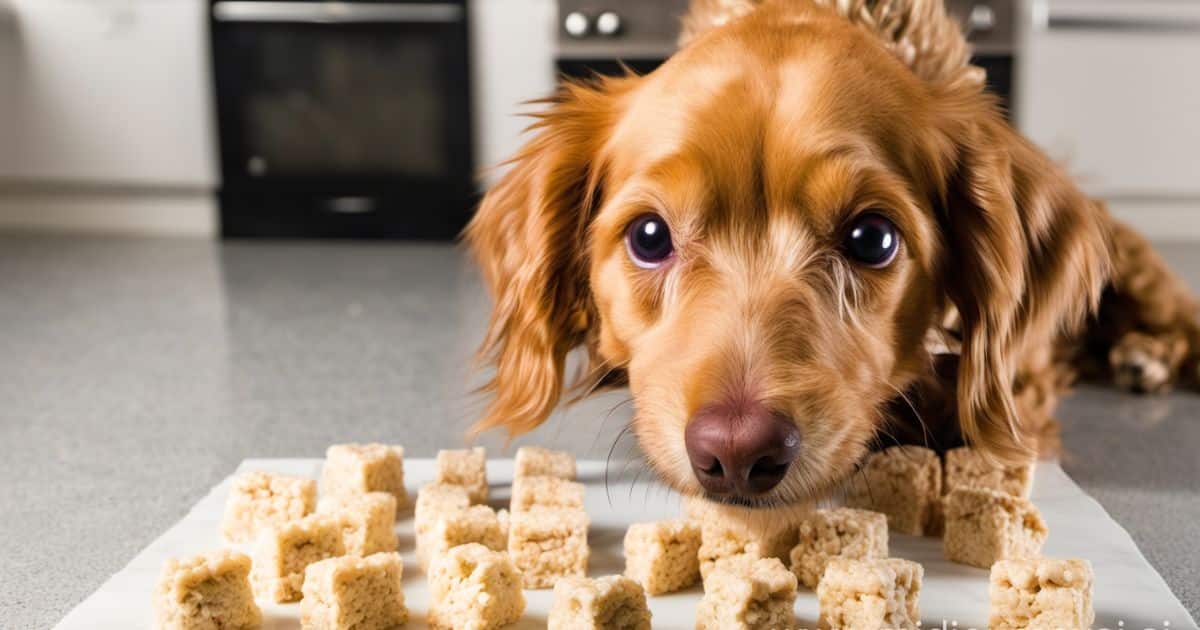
[(810, 233)]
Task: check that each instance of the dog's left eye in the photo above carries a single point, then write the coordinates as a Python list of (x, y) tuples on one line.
[(873, 240), (649, 241)]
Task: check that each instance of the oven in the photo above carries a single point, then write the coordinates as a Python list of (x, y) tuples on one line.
[(343, 119), (603, 36)]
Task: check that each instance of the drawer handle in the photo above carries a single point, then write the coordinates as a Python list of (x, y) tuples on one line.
[(1122, 24), (335, 12), (351, 205)]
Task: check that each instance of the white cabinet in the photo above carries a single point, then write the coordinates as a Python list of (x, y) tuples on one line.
[(107, 92), (512, 58), (1112, 89)]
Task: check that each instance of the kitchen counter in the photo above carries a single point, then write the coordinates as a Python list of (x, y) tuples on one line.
[(138, 373)]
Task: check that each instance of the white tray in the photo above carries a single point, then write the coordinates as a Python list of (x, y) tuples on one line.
[(1128, 589)]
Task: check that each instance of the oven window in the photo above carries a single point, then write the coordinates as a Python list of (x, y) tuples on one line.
[(329, 102)]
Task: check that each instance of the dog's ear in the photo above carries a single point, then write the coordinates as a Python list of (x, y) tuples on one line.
[(1028, 257), (528, 238)]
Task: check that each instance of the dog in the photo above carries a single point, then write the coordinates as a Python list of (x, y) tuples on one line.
[(809, 235)]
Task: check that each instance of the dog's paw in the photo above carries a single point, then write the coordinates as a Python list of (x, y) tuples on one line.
[(1141, 364)]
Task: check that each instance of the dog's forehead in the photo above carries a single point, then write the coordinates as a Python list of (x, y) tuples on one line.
[(788, 92), (745, 133)]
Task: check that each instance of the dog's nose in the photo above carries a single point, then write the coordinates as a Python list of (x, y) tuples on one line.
[(744, 452)]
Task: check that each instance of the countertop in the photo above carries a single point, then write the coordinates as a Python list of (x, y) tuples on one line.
[(137, 373)]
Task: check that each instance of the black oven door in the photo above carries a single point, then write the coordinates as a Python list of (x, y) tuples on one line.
[(343, 119)]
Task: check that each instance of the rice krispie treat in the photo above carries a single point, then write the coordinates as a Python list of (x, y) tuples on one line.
[(283, 552), (472, 587), (613, 602), (368, 520), (206, 592), (546, 492), (259, 500), (902, 482), (354, 593), (1041, 593), (466, 468), (747, 593), (435, 500), (362, 468), (663, 556), (724, 534), (967, 467), (983, 526), (533, 460), (476, 524), (876, 593), (837, 533), (546, 545)]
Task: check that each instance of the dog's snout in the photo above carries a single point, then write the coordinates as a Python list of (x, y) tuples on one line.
[(743, 452)]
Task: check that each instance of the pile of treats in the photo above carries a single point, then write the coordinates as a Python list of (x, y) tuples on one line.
[(337, 556)]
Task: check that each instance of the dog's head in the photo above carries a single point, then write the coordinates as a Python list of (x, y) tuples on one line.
[(760, 235)]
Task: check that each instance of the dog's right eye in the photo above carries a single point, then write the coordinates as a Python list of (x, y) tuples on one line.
[(648, 240), (873, 240)]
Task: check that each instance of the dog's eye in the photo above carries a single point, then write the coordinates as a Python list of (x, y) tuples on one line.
[(873, 240), (649, 241)]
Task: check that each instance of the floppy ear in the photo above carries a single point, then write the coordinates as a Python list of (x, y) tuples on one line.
[(1028, 258), (528, 237)]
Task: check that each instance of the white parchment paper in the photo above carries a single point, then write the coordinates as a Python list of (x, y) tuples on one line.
[(1129, 594)]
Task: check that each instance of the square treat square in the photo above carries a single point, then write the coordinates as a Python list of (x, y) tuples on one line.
[(1041, 593), (259, 500), (435, 500), (613, 602), (354, 593), (476, 524), (902, 482), (474, 587), (748, 593), (727, 533), (283, 552), (363, 468), (368, 520), (876, 593), (466, 468), (532, 460), (546, 492), (838, 533), (983, 526), (206, 592), (546, 545), (663, 556), (966, 467)]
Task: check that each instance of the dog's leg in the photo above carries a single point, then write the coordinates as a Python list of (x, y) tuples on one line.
[(1146, 331)]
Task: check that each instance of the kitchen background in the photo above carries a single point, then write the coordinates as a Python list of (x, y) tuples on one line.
[(146, 355), (372, 118)]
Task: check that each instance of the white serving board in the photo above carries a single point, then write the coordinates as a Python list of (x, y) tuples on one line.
[(1129, 593)]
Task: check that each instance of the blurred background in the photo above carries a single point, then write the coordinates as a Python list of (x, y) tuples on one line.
[(226, 230), (371, 118)]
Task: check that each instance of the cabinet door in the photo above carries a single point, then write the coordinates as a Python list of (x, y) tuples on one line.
[(1113, 90), (107, 92)]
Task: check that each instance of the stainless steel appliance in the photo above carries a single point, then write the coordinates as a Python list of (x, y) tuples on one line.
[(602, 35), (343, 119)]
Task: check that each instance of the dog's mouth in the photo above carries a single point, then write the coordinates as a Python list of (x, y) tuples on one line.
[(753, 503)]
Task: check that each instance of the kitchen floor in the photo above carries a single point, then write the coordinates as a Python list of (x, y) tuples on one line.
[(137, 373)]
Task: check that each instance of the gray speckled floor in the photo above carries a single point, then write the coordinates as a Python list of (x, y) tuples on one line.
[(137, 373)]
